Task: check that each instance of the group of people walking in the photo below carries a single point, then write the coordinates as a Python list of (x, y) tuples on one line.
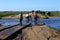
[(29, 18)]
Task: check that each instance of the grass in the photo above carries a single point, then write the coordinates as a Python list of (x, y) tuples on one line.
[(53, 14), (10, 13), (3, 14), (57, 14)]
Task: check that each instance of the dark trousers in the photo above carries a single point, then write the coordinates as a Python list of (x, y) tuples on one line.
[(35, 21), (21, 22)]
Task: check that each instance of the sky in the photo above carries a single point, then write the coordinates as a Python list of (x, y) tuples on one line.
[(28, 5)]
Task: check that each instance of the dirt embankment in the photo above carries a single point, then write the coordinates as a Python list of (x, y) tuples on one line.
[(24, 15), (40, 33)]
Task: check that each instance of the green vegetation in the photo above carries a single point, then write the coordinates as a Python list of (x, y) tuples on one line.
[(6, 13), (45, 15), (55, 13), (54, 28), (11, 13), (25, 12), (51, 13)]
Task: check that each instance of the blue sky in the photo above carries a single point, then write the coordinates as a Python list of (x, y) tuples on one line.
[(28, 5)]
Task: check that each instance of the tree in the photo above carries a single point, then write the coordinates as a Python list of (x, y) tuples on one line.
[(43, 13), (49, 13), (38, 11)]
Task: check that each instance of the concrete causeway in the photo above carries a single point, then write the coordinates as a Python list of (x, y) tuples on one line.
[(8, 32)]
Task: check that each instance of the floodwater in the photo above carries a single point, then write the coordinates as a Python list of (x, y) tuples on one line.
[(8, 22), (52, 22)]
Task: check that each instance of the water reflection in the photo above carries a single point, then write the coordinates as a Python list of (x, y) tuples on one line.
[(16, 21), (9, 22), (53, 22)]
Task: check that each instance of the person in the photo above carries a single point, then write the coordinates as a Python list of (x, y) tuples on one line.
[(28, 17), (36, 18), (21, 18)]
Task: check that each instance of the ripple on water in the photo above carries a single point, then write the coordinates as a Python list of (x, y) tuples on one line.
[(52, 22)]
